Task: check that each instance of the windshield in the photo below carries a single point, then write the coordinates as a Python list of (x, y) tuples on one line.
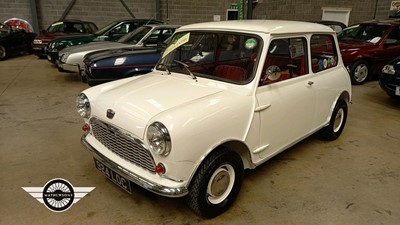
[(363, 33), (106, 28), (4, 28), (135, 36), (65, 27), (215, 55)]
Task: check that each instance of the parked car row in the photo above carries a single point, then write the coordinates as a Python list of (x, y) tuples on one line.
[(133, 54)]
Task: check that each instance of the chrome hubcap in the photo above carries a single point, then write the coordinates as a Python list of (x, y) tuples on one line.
[(220, 184), (338, 120), (361, 73)]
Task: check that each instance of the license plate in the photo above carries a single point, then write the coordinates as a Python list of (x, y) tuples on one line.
[(398, 90), (113, 176)]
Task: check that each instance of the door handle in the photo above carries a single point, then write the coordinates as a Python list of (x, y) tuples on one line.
[(310, 83)]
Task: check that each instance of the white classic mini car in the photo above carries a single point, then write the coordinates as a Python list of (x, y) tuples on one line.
[(224, 97)]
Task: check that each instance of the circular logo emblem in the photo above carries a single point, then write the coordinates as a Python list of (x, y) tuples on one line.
[(58, 195), (250, 43)]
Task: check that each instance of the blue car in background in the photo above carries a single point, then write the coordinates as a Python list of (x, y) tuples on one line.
[(108, 65), (389, 78)]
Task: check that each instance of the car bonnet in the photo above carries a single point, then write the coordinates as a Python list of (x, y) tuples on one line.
[(136, 102)]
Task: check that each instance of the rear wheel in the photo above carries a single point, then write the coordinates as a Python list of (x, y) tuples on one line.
[(336, 123), (360, 72), (216, 183), (3, 52)]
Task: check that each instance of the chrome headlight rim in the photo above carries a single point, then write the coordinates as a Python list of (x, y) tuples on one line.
[(159, 139), (389, 69), (83, 105)]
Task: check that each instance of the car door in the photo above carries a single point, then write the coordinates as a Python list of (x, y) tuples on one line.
[(389, 49), (285, 96), (17, 40)]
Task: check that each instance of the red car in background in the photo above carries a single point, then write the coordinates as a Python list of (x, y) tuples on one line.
[(368, 46), (59, 29)]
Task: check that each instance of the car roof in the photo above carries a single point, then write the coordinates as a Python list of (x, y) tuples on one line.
[(381, 22), (139, 19), (162, 25), (265, 26), (72, 21)]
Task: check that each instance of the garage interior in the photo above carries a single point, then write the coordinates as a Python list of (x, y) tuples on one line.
[(354, 180)]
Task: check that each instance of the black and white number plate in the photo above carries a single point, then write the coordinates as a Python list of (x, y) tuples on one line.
[(113, 176)]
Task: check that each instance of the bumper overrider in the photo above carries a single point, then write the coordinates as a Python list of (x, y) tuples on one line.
[(134, 178)]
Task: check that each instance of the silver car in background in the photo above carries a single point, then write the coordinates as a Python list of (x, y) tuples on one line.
[(71, 59)]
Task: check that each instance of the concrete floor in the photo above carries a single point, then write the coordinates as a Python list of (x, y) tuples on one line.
[(354, 180)]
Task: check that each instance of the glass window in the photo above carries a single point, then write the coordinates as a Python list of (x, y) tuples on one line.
[(224, 56), (394, 36), (323, 52), (286, 59), (363, 33)]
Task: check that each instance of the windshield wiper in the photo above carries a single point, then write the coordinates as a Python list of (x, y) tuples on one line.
[(187, 68), (166, 67)]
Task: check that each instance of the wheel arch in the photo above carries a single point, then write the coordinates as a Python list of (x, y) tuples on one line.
[(233, 145)]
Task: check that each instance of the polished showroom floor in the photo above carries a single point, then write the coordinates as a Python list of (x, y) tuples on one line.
[(354, 180)]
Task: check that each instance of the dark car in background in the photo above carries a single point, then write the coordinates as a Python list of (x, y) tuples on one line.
[(71, 59), (14, 40), (389, 79), (110, 32), (109, 65), (60, 29), (368, 46)]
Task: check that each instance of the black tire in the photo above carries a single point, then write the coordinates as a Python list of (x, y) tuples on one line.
[(3, 52), (336, 123), (360, 72), (61, 69), (220, 167)]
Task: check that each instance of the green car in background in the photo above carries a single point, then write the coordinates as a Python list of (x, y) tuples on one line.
[(111, 32)]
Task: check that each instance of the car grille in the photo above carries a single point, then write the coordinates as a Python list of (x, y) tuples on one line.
[(123, 144)]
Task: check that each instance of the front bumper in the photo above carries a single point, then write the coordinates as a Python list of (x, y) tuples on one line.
[(141, 181), (39, 50), (389, 83), (68, 67)]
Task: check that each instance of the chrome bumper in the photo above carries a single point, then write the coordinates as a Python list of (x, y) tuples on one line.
[(143, 182), (68, 67)]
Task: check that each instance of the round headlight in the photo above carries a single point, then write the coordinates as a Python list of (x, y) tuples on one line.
[(159, 139), (83, 105), (389, 69)]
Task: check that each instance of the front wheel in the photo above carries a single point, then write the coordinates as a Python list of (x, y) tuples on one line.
[(3, 52), (336, 123), (216, 183), (359, 72)]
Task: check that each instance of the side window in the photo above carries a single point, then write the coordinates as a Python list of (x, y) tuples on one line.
[(394, 36), (153, 38), (121, 29), (79, 27), (323, 52), (286, 59), (159, 36)]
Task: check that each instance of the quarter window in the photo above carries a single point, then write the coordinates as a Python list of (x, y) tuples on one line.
[(323, 52), (286, 59)]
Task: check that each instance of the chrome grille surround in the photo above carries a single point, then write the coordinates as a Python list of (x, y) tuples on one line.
[(123, 144)]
